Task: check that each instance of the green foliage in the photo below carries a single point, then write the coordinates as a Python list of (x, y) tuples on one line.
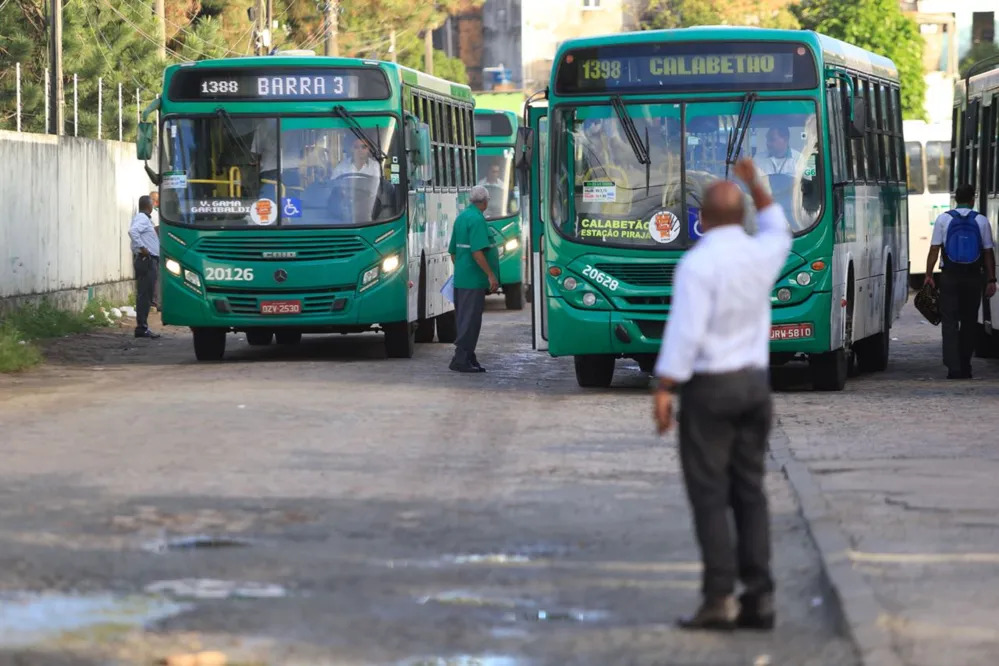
[(979, 53), (878, 26), (20, 326), (16, 353), (668, 14)]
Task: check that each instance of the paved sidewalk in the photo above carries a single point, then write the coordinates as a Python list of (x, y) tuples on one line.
[(909, 463)]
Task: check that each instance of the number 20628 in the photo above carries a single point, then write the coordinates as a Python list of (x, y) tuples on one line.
[(600, 277)]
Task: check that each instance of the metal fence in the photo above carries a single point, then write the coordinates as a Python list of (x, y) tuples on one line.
[(120, 100)]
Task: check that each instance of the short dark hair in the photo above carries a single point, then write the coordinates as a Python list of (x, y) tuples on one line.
[(784, 132), (145, 203), (965, 194)]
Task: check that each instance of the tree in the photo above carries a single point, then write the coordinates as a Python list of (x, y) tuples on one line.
[(665, 14), (980, 52), (878, 26)]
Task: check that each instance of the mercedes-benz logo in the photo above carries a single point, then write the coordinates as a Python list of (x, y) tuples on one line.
[(280, 275)]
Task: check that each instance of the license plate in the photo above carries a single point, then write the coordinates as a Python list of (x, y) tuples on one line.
[(791, 331), (280, 307)]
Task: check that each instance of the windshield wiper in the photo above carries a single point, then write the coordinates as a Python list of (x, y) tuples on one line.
[(738, 133), (226, 119), (340, 111), (640, 149)]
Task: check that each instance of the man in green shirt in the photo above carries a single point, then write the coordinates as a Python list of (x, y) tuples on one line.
[(476, 265)]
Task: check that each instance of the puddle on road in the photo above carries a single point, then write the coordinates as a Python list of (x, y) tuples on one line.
[(516, 556), (517, 609), (210, 588), (26, 619), (195, 542)]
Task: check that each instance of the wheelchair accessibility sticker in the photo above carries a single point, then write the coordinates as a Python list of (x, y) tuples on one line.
[(694, 223), (291, 207)]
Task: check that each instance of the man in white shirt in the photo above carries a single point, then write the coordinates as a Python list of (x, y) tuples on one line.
[(145, 259), (154, 197), (965, 236), (780, 159), (716, 354), (359, 162), (493, 177)]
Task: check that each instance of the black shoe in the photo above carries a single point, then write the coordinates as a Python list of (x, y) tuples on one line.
[(478, 368), (462, 368), (713, 615), (964, 374), (146, 333), (756, 612)]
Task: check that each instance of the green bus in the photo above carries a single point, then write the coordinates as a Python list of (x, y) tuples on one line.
[(495, 138), (634, 126), (304, 194), (975, 160)]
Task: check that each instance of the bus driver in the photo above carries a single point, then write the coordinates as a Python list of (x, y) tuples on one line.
[(780, 159), (359, 162)]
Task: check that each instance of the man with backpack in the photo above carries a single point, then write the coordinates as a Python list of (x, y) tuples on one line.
[(966, 239)]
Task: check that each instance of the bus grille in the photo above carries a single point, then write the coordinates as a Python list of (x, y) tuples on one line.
[(314, 301), (304, 248), (640, 275)]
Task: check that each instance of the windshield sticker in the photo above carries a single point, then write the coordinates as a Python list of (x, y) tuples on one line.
[(694, 223), (599, 191), (394, 178), (220, 207), (175, 180), (291, 207), (263, 212), (595, 227), (395, 168), (664, 227)]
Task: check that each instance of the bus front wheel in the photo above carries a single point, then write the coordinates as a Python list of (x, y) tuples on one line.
[(594, 370), (447, 327), (209, 343), (400, 339), (514, 295), (829, 370)]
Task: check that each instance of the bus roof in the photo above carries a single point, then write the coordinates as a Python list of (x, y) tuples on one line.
[(833, 51), (982, 82), (395, 71)]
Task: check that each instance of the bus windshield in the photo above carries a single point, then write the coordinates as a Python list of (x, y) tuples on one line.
[(938, 166), (616, 200), (495, 169), (224, 171)]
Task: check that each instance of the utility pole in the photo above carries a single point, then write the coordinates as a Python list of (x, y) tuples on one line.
[(392, 54), (261, 26), (161, 27), (330, 26), (55, 56), (428, 44)]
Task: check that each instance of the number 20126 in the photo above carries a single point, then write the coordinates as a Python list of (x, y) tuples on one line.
[(229, 274)]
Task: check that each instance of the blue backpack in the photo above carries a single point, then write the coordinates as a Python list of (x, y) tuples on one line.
[(964, 238)]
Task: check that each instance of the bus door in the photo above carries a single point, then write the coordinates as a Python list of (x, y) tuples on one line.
[(533, 168)]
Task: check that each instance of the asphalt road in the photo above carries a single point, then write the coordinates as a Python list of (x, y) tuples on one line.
[(359, 511)]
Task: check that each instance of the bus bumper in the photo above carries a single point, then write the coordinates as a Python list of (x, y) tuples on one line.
[(788, 321), (573, 331), (340, 310)]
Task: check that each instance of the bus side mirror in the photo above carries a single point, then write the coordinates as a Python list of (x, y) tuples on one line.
[(144, 142), (857, 128), (420, 151), (523, 152)]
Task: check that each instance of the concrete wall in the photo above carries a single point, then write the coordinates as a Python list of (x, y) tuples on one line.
[(65, 207)]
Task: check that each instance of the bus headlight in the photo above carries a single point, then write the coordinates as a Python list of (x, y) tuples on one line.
[(390, 264), (192, 278), (370, 275), (803, 278), (589, 299), (512, 245), (569, 283), (173, 266), (784, 295)]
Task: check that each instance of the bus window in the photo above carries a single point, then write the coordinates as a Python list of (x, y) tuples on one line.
[(914, 152), (938, 166)]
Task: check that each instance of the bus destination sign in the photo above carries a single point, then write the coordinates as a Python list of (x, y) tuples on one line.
[(278, 84), (668, 67)]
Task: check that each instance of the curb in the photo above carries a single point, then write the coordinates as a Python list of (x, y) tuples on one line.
[(860, 615)]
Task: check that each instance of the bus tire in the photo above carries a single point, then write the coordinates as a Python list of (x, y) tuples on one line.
[(594, 370), (258, 338), (829, 370), (872, 352), (447, 327), (209, 343), (288, 337), (400, 339), (425, 330), (514, 295)]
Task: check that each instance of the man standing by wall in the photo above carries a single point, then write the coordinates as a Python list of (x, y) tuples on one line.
[(475, 275), (715, 354), (145, 259), (154, 197), (966, 239)]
